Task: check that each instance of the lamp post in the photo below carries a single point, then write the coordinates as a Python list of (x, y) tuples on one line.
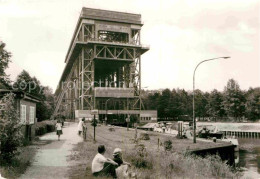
[(193, 93), (128, 116)]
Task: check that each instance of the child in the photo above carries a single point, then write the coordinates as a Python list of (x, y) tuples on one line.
[(122, 165), (58, 128)]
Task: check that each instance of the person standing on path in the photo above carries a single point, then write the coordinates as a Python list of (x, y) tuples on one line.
[(80, 126), (84, 125), (58, 129)]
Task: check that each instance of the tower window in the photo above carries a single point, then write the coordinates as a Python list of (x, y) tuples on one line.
[(110, 36)]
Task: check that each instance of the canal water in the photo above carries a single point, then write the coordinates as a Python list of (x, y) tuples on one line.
[(249, 157), (249, 148)]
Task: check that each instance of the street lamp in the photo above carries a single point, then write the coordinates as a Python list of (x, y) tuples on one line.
[(193, 106), (128, 116)]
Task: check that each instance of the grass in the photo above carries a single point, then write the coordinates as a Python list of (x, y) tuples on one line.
[(19, 164), (148, 159)]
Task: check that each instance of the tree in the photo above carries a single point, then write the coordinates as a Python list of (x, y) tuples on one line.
[(45, 108), (215, 106), (49, 99), (163, 106), (4, 62), (152, 100), (175, 104), (32, 85), (253, 104), (185, 102), (234, 100), (10, 129), (28, 84), (200, 103)]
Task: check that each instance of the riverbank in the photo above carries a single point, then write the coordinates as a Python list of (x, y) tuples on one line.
[(228, 126), (249, 145), (149, 159), (249, 157)]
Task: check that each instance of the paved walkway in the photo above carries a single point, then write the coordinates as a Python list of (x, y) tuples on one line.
[(50, 160)]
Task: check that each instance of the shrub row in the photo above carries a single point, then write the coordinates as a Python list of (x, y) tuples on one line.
[(44, 127), (169, 164)]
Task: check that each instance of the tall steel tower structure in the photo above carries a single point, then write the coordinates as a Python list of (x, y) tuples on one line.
[(103, 67)]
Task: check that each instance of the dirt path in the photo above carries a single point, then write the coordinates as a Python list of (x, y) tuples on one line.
[(50, 160)]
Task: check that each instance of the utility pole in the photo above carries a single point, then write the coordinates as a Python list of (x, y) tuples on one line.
[(95, 127), (94, 122), (128, 118)]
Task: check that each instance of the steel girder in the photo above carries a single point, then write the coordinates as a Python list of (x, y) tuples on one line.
[(82, 72), (86, 79)]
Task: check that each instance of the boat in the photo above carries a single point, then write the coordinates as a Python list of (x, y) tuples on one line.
[(209, 131)]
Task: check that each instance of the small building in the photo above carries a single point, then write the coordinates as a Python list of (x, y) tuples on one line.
[(147, 116), (26, 106)]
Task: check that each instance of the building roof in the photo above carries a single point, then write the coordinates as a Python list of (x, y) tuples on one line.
[(114, 16), (21, 95)]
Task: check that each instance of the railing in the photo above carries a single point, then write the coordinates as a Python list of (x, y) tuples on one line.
[(90, 39), (114, 92), (242, 134)]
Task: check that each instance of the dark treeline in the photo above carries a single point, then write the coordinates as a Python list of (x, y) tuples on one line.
[(232, 104), (28, 84), (31, 85)]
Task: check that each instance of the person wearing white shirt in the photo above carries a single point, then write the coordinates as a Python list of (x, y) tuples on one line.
[(102, 166), (58, 129), (80, 126)]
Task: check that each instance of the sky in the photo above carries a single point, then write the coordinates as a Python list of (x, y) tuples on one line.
[(180, 33)]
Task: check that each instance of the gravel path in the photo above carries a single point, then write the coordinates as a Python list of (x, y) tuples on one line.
[(50, 160)]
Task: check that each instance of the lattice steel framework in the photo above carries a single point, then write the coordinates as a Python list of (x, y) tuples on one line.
[(76, 90)]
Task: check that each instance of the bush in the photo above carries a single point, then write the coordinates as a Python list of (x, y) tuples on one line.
[(144, 136), (10, 129), (19, 163), (141, 159), (44, 127), (167, 145), (40, 128), (111, 129), (177, 165), (167, 164)]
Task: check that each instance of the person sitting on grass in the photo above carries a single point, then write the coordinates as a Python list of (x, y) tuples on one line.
[(102, 166), (122, 168), (117, 154)]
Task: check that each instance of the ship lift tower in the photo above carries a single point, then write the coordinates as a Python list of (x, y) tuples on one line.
[(103, 68)]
